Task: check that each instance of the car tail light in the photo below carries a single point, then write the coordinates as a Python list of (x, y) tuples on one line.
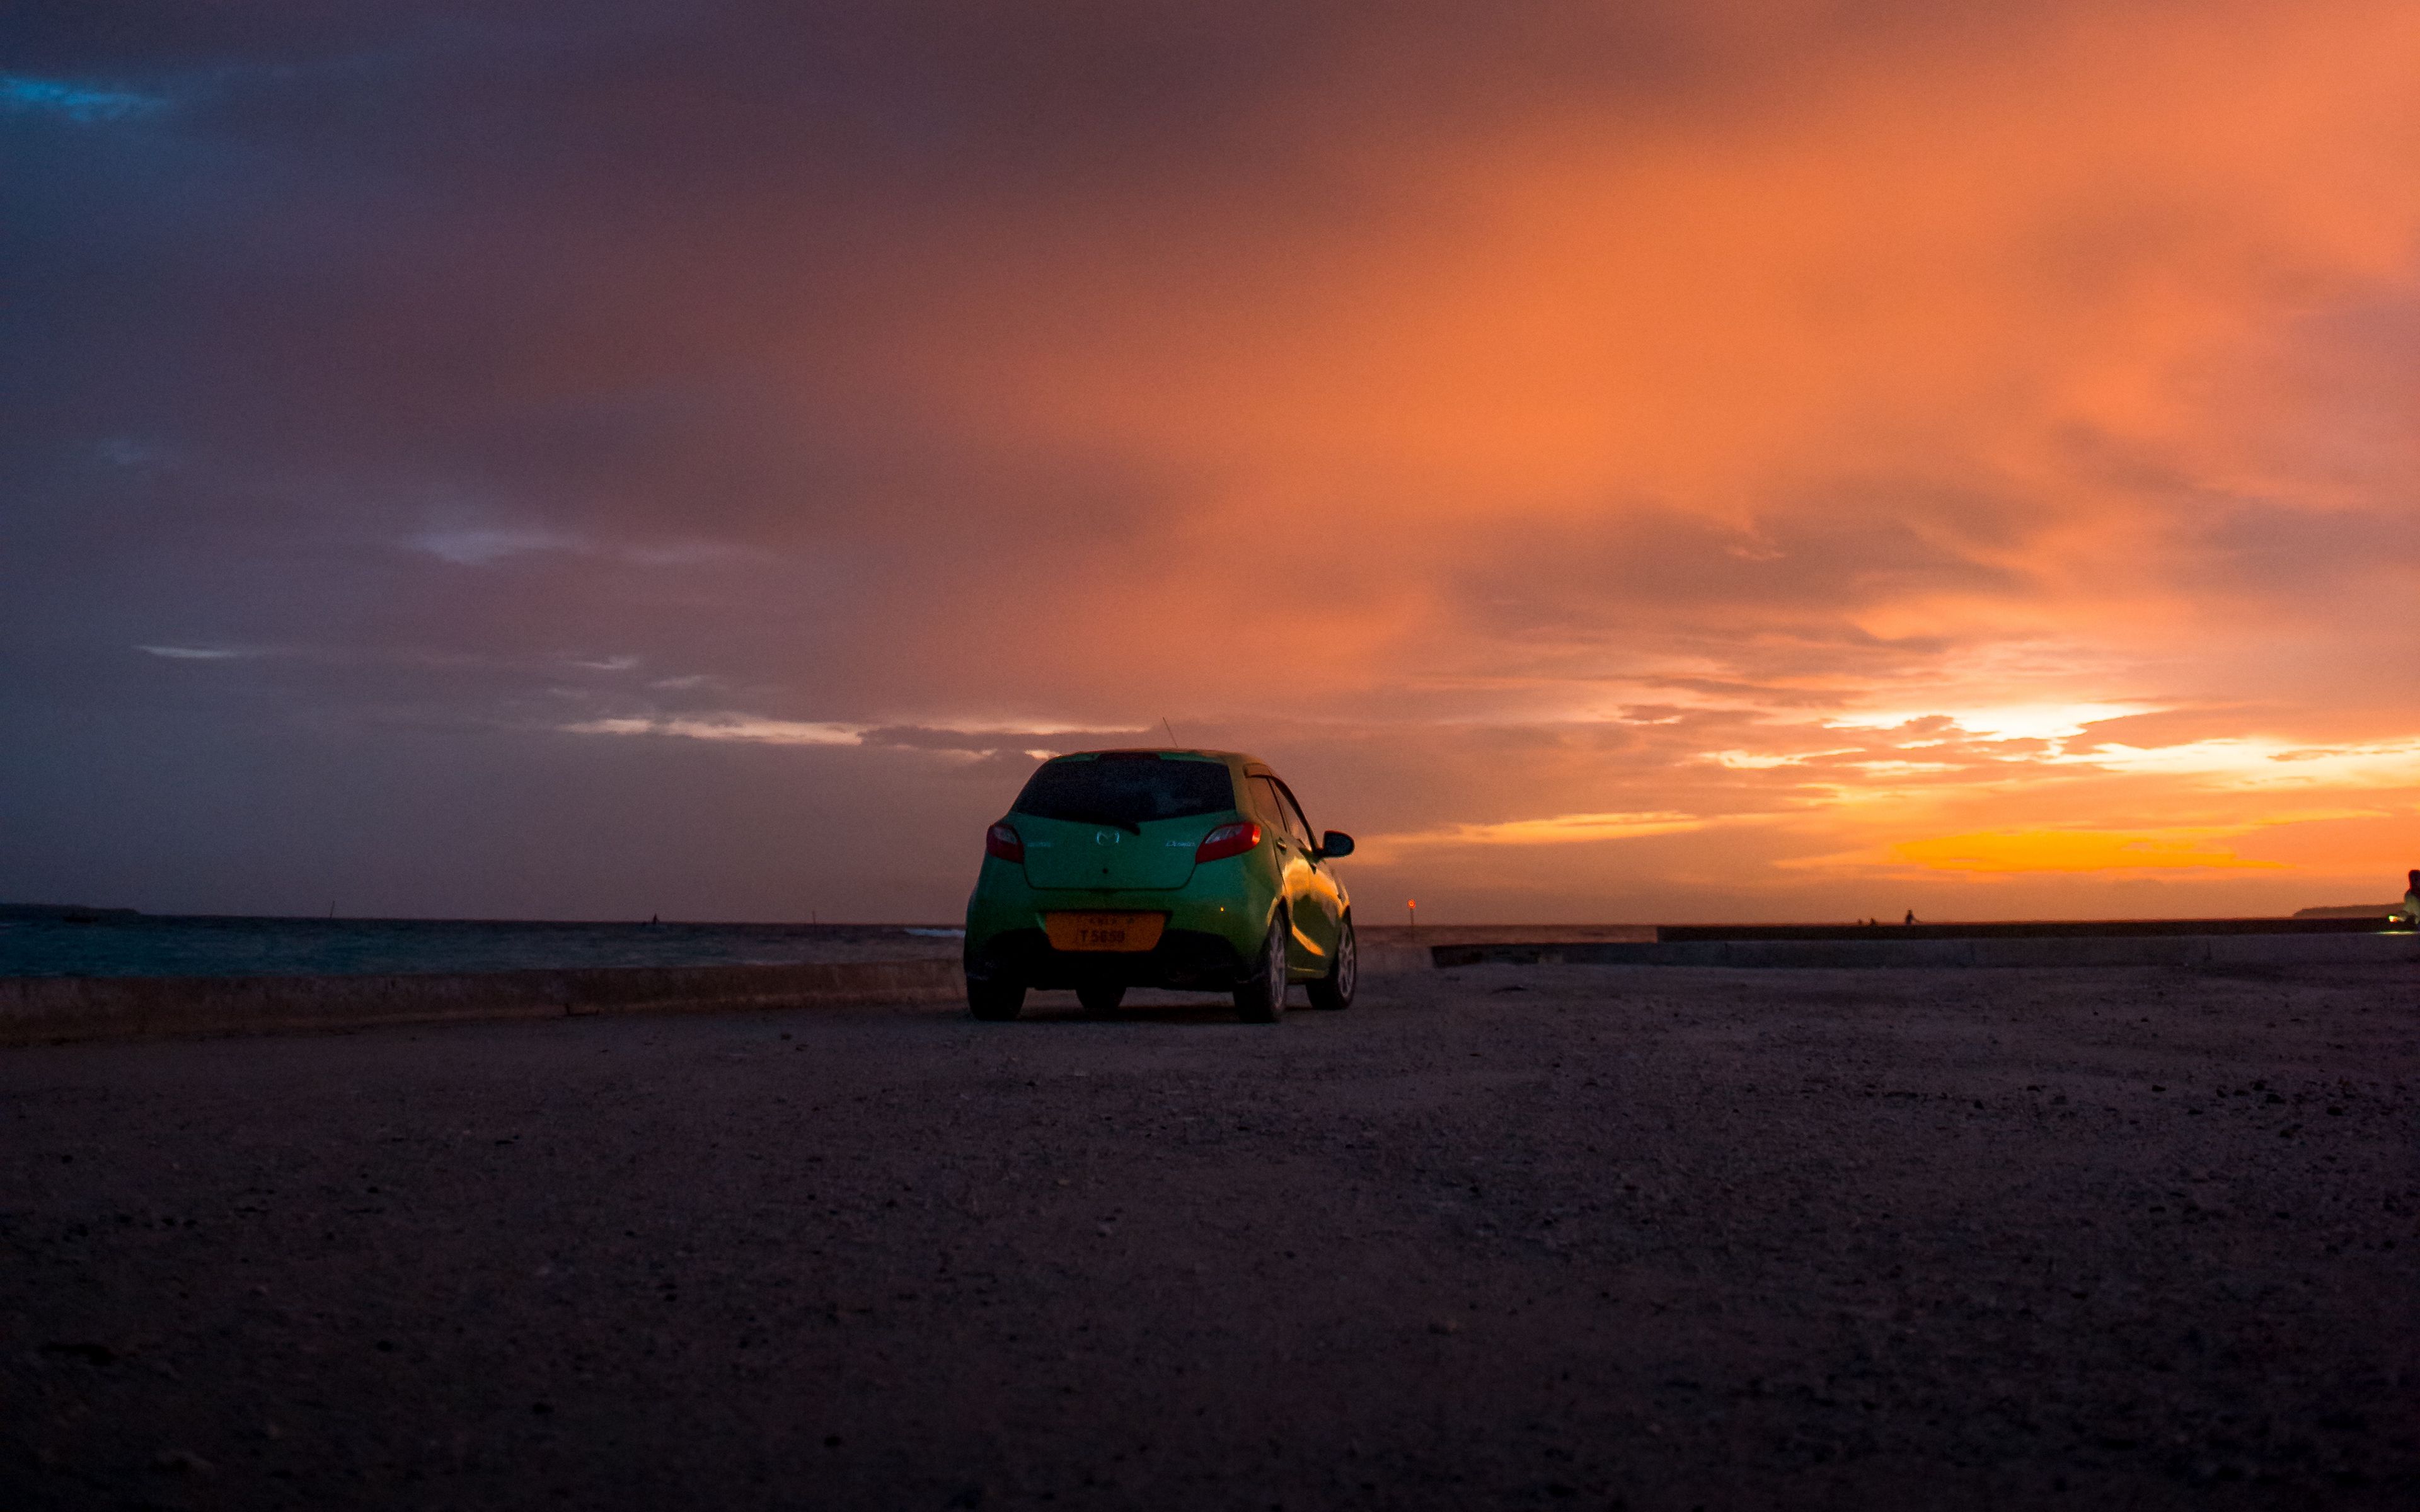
[(1004, 843), (1228, 840)]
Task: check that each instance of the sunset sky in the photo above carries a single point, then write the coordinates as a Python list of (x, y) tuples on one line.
[(1722, 460)]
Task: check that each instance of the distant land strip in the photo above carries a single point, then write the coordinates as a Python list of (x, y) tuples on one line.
[(2099, 929), (1910, 947)]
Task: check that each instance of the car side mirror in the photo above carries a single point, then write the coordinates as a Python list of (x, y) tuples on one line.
[(1335, 843)]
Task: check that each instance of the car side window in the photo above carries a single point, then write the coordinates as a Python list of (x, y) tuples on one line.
[(1292, 813), (1268, 805)]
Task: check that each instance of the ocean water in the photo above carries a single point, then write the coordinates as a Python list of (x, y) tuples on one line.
[(149, 945)]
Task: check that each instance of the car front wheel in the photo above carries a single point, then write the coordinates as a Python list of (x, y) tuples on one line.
[(1261, 997)]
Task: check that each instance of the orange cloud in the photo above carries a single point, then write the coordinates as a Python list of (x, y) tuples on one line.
[(2074, 850)]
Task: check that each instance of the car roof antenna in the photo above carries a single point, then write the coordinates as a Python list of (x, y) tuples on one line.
[(1170, 727)]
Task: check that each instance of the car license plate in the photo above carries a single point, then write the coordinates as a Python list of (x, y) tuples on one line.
[(1105, 932)]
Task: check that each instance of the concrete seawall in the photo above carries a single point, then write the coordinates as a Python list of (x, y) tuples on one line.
[(39, 1010), (1389, 960), (52, 1009), (2187, 950)]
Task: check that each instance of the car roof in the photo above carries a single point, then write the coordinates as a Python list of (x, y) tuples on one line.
[(1169, 750)]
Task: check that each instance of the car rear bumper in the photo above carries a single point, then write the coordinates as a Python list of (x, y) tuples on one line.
[(1193, 960), (1215, 927)]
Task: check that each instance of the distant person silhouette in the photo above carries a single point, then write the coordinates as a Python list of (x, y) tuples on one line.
[(2411, 901), (1910, 917)]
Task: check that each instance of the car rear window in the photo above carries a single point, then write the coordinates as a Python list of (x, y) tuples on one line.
[(1126, 790)]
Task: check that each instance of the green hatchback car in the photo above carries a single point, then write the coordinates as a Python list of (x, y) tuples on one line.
[(1188, 868)]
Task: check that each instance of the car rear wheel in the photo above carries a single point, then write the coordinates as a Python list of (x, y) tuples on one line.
[(1335, 990), (996, 1000), (1261, 998), (1101, 998)]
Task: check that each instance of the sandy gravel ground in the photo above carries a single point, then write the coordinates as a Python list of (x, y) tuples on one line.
[(1504, 1237)]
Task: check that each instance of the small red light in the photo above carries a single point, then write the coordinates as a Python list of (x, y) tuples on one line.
[(1005, 843), (1228, 840)]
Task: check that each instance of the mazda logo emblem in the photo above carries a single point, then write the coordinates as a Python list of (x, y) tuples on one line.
[(1105, 837)]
